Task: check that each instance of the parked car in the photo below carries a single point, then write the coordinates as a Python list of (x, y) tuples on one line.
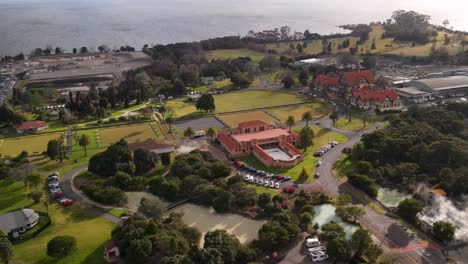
[(319, 257), (315, 249), (277, 185), (199, 134), (316, 175), (54, 174), (266, 183), (281, 177), (272, 184), (57, 193), (53, 178), (53, 184), (65, 201), (286, 179), (318, 163)]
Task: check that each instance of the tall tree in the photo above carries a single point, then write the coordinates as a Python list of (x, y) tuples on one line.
[(53, 149), (288, 82), (290, 122), (409, 208), (144, 161), (84, 142), (304, 77), (306, 135), (34, 179), (188, 133), (307, 116), (443, 231), (211, 132), (206, 102), (334, 116), (360, 241)]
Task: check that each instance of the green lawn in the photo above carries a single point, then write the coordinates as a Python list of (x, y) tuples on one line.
[(93, 139), (318, 109), (355, 124), (90, 230), (224, 54), (35, 144), (118, 111), (117, 212), (321, 138), (235, 101)]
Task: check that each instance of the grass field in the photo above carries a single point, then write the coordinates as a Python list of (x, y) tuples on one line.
[(321, 138), (90, 231), (131, 133), (318, 110), (93, 139), (224, 84), (355, 124), (224, 54), (32, 144), (232, 120), (236, 101)]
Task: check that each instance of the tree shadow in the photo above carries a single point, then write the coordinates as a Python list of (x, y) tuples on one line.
[(96, 256), (398, 235)]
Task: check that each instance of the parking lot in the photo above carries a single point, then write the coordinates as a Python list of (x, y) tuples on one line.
[(259, 177)]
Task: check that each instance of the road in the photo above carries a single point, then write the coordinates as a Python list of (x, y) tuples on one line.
[(66, 185), (390, 232)]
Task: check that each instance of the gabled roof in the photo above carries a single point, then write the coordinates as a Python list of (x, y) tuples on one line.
[(30, 125), (228, 142), (252, 123), (369, 94), (327, 80), (266, 134), (110, 245), (17, 219), (353, 78)]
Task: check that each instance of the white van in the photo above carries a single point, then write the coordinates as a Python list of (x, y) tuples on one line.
[(198, 134)]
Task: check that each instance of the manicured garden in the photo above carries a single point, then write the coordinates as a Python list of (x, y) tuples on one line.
[(232, 120)]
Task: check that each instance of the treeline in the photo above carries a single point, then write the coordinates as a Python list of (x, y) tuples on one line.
[(422, 145), (409, 26)]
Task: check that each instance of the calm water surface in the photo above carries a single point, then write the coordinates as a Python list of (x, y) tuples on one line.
[(27, 24)]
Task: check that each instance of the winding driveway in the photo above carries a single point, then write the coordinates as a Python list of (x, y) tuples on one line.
[(69, 190), (389, 231)]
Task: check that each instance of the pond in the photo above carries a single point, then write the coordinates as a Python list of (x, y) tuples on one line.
[(325, 213), (391, 197), (206, 219)]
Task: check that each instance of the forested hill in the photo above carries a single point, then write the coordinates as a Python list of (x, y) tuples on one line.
[(422, 145)]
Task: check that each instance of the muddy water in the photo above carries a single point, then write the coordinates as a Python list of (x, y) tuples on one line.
[(206, 219)]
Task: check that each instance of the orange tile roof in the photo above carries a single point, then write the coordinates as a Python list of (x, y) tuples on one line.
[(327, 80), (252, 123), (228, 142), (369, 94), (353, 78), (272, 133)]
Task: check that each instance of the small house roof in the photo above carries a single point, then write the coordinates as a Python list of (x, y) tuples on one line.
[(17, 219), (252, 123), (438, 192), (110, 245), (30, 125)]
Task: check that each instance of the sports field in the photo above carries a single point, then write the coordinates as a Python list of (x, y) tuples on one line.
[(232, 120), (32, 144), (131, 133)]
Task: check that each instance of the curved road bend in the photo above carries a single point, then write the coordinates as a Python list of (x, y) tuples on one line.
[(388, 231), (66, 185)]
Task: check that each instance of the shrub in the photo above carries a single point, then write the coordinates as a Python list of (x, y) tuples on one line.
[(61, 246), (123, 118)]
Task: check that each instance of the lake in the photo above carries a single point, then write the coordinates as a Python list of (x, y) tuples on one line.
[(28, 24)]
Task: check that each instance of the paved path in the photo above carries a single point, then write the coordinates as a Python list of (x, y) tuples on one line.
[(390, 232), (69, 190)]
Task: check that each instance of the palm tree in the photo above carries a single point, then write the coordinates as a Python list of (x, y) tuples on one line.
[(84, 142), (169, 122), (188, 133), (307, 116), (290, 121), (211, 132), (334, 117)]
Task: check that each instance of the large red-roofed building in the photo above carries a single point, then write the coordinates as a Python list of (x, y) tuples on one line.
[(31, 126), (385, 100), (274, 146), (343, 82)]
